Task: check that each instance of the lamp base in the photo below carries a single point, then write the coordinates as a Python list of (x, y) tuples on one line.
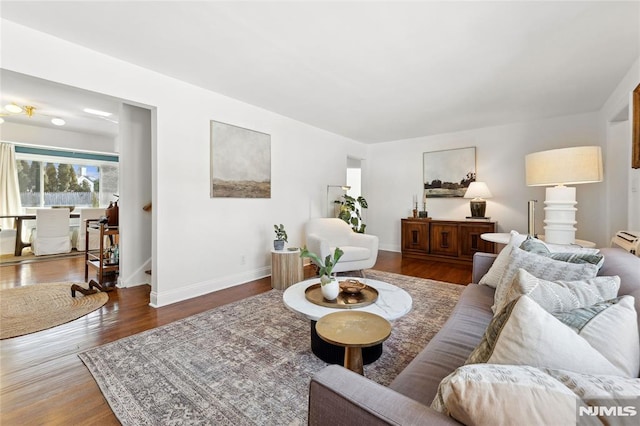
[(478, 208), (560, 215)]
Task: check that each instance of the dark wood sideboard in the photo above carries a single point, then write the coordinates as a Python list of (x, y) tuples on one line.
[(446, 240)]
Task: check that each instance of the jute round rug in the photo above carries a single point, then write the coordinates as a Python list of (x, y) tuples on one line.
[(32, 308)]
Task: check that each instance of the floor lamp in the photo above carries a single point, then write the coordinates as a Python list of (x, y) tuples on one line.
[(560, 167)]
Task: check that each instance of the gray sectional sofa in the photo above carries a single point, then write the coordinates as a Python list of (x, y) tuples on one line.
[(340, 397)]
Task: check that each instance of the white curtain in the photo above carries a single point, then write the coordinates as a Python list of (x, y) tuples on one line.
[(9, 189)]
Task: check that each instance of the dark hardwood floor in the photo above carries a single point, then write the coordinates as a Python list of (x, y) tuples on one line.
[(42, 381)]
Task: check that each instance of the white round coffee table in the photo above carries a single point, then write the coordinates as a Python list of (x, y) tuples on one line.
[(392, 303)]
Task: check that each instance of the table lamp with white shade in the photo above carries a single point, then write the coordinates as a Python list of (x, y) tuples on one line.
[(557, 168), (477, 191)]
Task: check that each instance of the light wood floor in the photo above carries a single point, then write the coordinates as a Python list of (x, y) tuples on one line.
[(42, 381)]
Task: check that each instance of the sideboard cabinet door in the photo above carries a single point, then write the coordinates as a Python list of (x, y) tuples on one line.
[(444, 239)]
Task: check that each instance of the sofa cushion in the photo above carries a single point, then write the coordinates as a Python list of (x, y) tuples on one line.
[(599, 339), (541, 267), (533, 245), (449, 348), (493, 275), (524, 395), (490, 394), (559, 296)]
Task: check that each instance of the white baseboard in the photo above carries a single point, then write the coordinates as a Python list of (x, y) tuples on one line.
[(390, 247), (205, 287)]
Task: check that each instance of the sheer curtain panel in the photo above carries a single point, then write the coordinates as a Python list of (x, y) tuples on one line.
[(9, 189)]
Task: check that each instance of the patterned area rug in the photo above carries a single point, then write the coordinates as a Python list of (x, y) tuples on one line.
[(32, 308), (246, 363)]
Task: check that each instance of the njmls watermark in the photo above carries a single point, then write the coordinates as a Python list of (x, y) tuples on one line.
[(620, 411)]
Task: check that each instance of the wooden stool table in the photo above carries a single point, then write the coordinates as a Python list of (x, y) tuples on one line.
[(353, 330)]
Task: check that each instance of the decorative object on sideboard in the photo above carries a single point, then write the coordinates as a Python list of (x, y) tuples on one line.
[(330, 205), (557, 168), (448, 173), (478, 191), (281, 237)]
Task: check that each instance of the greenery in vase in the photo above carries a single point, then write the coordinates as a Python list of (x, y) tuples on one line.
[(326, 266), (281, 234), (350, 213)]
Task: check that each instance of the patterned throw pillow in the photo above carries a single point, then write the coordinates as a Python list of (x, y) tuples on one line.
[(598, 339), (489, 394), (511, 394), (536, 246), (559, 296), (541, 267), (493, 275)]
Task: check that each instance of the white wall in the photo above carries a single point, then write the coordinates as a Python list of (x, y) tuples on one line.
[(135, 191), (55, 138), (396, 175), (201, 244), (623, 199)]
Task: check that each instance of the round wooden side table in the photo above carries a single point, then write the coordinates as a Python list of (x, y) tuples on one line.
[(353, 330), (286, 268)]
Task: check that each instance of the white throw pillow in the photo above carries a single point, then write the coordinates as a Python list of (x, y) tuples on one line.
[(560, 296), (493, 275), (601, 339), (541, 267), (489, 394)]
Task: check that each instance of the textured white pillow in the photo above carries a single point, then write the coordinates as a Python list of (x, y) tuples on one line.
[(493, 275), (560, 296), (489, 394), (541, 267), (601, 339)]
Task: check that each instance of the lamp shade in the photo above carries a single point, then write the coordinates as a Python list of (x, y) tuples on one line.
[(478, 190), (581, 164)]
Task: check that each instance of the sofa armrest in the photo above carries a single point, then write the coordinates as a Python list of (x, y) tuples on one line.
[(481, 264), (338, 396)]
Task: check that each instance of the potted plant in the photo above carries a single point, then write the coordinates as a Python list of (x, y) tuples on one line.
[(281, 237), (350, 213), (329, 284)]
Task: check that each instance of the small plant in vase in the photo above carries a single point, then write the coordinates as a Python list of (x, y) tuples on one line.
[(329, 284), (281, 237)]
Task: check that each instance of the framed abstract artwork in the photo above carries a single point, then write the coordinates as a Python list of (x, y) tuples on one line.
[(448, 173), (240, 162)]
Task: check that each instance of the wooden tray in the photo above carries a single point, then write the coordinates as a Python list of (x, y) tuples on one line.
[(367, 296)]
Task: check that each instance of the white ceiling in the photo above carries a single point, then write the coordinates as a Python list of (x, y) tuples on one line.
[(57, 100), (372, 71)]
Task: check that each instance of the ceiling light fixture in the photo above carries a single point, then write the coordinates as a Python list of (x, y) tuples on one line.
[(97, 112), (13, 108), (29, 111)]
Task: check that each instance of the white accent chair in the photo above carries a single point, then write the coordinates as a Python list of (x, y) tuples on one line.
[(323, 235), (51, 235), (94, 234)]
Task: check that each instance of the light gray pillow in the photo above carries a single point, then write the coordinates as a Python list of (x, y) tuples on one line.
[(541, 267), (560, 296), (533, 245)]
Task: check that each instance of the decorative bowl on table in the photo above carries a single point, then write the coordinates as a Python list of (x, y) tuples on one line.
[(352, 286)]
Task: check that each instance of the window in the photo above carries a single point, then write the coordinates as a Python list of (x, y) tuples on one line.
[(64, 178)]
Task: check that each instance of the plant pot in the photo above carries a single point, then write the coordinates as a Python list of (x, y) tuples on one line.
[(278, 244), (330, 290)]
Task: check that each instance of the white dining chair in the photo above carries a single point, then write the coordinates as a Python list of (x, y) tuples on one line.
[(94, 234), (51, 235)]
